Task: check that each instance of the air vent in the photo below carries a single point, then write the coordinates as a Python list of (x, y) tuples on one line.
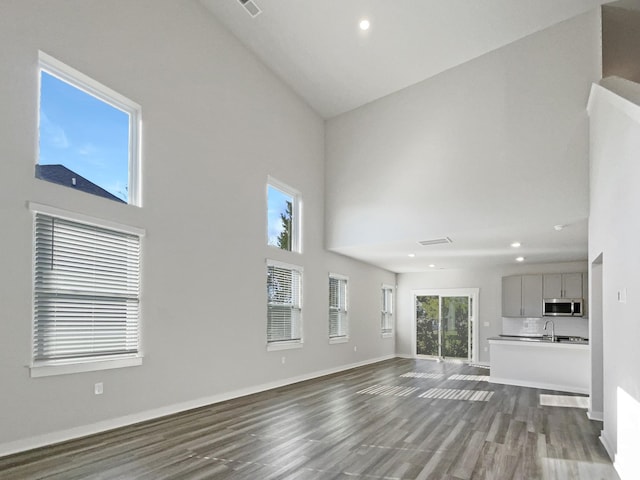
[(435, 241), (251, 7)]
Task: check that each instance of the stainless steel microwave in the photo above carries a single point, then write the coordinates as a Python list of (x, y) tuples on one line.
[(562, 307)]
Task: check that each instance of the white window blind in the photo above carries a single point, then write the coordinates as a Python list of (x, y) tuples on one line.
[(386, 323), (338, 320), (87, 287), (284, 303)]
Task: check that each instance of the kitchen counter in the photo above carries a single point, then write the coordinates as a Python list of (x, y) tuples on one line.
[(540, 363), (539, 340)]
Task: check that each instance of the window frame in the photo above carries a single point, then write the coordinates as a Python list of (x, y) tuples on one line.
[(275, 345), (342, 309), (43, 368), (296, 214), (387, 311), (88, 85)]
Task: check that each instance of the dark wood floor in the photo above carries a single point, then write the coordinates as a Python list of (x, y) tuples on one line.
[(399, 419)]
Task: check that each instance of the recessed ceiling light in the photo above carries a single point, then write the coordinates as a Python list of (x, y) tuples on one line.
[(364, 24), (432, 266), (515, 244), (520, 259), (412, 255)]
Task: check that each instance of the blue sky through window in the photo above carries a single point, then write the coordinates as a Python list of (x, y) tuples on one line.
[(276, 205), (85, 134)]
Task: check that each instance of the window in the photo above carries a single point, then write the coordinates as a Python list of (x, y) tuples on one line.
[(86, 295), (88, 135), (338, 316), (284, 305), (283, 216), (386, 322)]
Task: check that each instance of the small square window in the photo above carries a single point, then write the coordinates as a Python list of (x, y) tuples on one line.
[(283, 217), (88, 134)]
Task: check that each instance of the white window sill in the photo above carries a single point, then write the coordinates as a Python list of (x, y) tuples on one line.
[(53, 368), (338, 340), (275, 346), (387, 335)]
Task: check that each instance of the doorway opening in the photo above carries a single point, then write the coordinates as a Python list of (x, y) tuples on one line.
[(445, 324)]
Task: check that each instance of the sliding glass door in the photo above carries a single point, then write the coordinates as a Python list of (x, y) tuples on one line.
[(444, 324)]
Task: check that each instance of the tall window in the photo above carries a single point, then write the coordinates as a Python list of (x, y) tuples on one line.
[(86, 292), (283, 216), (284, 304), (88, 134), (338, 315), (386, 321)]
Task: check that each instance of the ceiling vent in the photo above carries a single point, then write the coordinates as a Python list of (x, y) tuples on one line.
[(251, 7), (435, 241)]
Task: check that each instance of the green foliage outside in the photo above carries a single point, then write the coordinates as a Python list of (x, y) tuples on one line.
[(284, 239), (455, 322)]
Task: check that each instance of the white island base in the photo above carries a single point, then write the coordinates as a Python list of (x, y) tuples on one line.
[(551, 366)]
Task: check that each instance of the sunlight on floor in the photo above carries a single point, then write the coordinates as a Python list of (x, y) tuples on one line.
[(563, 401)]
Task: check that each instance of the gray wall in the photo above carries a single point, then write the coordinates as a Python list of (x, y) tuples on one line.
[(499, 139), (216, 122), (614, 230)]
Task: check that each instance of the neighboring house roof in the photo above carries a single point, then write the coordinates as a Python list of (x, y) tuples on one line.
[(63, 176)]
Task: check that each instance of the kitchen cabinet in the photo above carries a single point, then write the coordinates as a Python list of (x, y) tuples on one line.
[(562, 285), (522, 296)]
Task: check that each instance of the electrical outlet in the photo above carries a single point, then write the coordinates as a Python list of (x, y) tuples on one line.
[(355, 348), (98, 388), (622, 296), (283, 360)]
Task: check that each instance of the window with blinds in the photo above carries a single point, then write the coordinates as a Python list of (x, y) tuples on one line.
[(386, 323), (338, 317), (284, 303), (87, 292)]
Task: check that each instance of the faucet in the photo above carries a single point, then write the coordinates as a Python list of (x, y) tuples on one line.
[(553, 334)]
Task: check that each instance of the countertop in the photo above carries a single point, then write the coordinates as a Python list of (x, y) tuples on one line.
[(537, 342)]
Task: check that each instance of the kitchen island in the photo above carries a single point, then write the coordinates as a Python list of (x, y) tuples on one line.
[(540, 363)]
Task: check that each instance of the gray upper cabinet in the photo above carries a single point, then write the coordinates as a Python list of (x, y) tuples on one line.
[(522, 296), (562, 285)]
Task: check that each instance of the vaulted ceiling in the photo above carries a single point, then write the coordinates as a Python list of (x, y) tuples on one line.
[(318, 49)]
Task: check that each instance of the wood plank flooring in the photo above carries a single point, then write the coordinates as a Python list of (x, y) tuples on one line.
[(376, 422)]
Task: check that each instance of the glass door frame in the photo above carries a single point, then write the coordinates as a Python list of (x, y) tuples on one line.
[(474, 338)]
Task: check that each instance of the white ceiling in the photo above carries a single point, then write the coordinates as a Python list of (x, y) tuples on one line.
[(317, 49)]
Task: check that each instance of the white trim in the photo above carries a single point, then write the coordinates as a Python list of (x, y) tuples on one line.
[(9, 448), (387, 335), (542, 385), (105, 94), (338, 276), (284, 345), (279, 264), (80, 217), (78, 366), (296, 213), (607, 446), (335, 340), (598, 416), (472, 292)]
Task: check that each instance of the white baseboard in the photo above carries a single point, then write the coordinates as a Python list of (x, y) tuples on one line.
[(545, 386), (9, 448), (607, 446), (599, 416)]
